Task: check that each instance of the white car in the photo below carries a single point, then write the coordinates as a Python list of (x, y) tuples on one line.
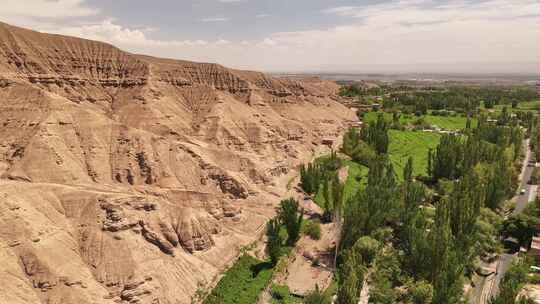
[(522, 191)]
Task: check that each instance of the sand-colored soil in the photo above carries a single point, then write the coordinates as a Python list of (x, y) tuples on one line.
[(302, 275)]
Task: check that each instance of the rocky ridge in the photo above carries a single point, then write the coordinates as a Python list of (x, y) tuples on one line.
[(134, 179)]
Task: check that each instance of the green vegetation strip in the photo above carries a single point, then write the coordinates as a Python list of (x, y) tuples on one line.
[(242, 283), (444, 122), (356, 180), (527, 106)]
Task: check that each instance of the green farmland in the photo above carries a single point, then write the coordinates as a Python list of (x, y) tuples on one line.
[(528, 106), (242, 283), (404, 144), (445, 122), (356, 180)]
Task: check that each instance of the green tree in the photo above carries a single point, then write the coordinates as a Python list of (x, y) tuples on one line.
[(275, 240), (385, 276), (447, 267), (448, 158), (327, 208), (337, 197), (291, 217), (348, 291), (420, 292), (499, 185), (351, 140), (376, 134), (429, 163), (350, 277), (408, 171), (525, 225), (374, 207), (311, 177), (512, 283), (368, 248)]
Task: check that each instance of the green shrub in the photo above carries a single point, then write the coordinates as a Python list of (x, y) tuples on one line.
[(280, 292), (282, 295), (420, 292), (368, 248), (317, 297), (312, 229)]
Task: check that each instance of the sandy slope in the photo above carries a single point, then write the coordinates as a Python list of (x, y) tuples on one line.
[(129, 178)]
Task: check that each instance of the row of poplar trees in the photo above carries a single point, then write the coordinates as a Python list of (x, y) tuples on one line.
[(425, 243)]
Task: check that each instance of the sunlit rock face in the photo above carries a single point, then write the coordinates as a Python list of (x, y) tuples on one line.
[(133, 179)]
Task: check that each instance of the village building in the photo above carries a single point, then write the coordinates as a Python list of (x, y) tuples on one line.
[(535, 248)]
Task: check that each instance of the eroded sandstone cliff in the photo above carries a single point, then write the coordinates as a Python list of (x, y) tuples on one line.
[(133, 179)]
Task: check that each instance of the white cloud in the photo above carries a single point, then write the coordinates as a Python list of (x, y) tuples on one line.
[(132, 39), (10, 9), (215, 19), (342, 10), (421, 35), (259, 16), (222, 42)]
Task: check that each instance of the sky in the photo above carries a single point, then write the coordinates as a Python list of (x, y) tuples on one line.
[(355, 36)]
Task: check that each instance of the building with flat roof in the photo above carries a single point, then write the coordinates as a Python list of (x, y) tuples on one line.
[(535, 248)]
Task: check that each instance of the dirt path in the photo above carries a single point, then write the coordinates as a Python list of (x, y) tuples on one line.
[(302, 275), (312, 264), (364, 293), (299, 271)]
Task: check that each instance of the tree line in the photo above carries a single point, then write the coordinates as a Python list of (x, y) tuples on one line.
[(423, 235)]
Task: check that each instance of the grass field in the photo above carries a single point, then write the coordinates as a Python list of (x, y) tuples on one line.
[(242, 283), (532, 106), (445, 122), (529, 105), (356, 180), (404, 144)]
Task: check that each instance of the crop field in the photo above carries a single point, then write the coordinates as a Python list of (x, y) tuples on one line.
[(356, 180), (242, 283), (404, 144), (445, 122), (527, 106), (449, 122)]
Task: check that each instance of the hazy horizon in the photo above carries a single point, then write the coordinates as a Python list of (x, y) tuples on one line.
[(359, 36)]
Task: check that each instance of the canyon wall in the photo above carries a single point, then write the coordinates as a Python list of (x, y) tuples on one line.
[(133, 179)]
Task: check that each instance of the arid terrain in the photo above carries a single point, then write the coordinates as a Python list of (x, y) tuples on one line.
[(133, 179)]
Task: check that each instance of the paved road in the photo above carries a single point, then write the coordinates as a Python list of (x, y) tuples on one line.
[(490, 285)]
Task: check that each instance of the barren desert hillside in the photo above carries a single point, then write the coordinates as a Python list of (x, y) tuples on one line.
[(133, 179)]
